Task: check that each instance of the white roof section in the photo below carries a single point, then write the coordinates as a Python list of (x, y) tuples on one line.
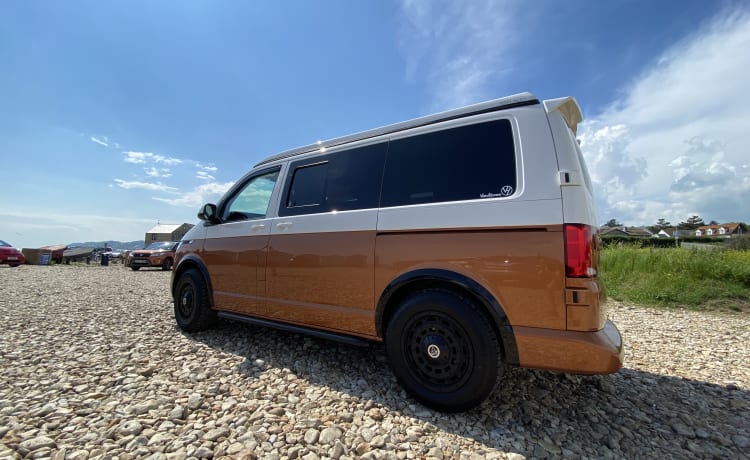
[(508, 102), (568, 108), (165, 228)]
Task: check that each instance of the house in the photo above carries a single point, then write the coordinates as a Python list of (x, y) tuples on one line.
[(668, 232), (638, 232), (728, 229), (167, 232)]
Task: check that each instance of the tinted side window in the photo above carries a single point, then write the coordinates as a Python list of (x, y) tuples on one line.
[(308, 184), (464, 163), (339, 181), (251, 201)]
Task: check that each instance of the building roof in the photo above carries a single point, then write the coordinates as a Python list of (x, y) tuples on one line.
[(730, 227), (629, 231), (165, 228)]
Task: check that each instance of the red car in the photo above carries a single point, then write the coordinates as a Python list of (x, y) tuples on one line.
[(10, 255)]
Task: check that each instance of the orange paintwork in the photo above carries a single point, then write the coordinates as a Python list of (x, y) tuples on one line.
[(323, 280), (524, 270), (333, 281), (597, 352), (234, 265)]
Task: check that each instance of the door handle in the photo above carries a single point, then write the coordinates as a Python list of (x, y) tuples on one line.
[(258, 227), (283, 225)]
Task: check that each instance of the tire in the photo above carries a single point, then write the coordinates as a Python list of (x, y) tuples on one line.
[(443, 350), (14, 265), (192, 305), (167, 265), (135, 269)]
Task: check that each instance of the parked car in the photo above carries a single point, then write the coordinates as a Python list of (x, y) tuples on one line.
[(113, 253), (158, 254), (464, 240), (10, 255)]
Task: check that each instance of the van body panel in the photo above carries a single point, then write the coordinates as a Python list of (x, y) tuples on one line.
[(598, 352), (234, 255), (522, 268), (321, 277), (491, 213), (577, 196), (477, 219)]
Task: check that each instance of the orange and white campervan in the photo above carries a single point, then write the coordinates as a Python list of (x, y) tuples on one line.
[(465, 241)]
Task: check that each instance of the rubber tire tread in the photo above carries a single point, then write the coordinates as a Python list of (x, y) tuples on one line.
[(481, 333), (203, 316), (166, 267)]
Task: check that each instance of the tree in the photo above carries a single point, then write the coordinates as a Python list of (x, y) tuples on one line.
[(661, 224), (713, 222), (613, 223), (691, 223)]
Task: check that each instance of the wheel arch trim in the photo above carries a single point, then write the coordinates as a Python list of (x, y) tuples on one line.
[(186, 263), (401, 285)]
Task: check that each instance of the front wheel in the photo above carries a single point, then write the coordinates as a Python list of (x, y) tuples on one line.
[(167, 265), (192, 306), (443, 350), (135, 269)]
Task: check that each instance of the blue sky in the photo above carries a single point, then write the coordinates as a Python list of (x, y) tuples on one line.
[(114, 116)]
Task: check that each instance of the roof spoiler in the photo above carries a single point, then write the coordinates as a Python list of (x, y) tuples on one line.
[(568, 108)]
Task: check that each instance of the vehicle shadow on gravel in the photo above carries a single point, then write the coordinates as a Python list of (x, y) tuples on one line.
[(535, 413)]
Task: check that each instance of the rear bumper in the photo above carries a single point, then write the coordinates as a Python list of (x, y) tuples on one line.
[(598, 352)]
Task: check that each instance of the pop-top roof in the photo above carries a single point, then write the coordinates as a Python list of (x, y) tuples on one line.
[(516, 100)]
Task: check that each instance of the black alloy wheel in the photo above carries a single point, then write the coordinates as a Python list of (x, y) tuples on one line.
[(443, 350), (192, 306)]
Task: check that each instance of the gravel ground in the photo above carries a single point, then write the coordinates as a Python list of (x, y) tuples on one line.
[(93, 366)]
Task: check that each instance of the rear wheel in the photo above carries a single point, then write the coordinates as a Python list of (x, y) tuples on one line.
[(192, 306), (443, 350)]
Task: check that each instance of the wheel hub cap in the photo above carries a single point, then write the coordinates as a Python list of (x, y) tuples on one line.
[(435, 348)]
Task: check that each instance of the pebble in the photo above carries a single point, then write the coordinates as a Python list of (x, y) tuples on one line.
[(94, 367)]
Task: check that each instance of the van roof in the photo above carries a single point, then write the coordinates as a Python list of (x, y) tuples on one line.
[(508, 102)]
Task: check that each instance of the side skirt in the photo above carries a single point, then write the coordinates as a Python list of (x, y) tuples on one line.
[(342, 338)]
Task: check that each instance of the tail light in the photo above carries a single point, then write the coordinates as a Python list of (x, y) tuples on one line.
[(579, 248)]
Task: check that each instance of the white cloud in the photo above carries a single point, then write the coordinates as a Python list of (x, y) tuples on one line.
[(207, 168), (144, 157), (675, 143), (204, 193), (100, 140), (136, 157), (157, 172), (459, 47), (40, 228), (203, 175), (144, 185)]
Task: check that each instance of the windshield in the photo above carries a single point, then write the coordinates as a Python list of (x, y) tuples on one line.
[(3, 243), (165, 245)]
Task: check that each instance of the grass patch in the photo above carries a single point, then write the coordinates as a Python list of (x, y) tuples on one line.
[(672, 277)]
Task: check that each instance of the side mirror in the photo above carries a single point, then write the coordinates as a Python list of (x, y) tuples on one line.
[(208, 213)]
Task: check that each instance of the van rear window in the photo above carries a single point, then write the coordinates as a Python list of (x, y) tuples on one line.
[(464, 163)]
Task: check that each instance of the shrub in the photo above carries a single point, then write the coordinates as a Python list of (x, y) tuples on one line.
[(676, 276), (740, 243)]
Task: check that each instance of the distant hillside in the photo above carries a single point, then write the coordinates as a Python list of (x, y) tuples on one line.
[(110, 244)]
